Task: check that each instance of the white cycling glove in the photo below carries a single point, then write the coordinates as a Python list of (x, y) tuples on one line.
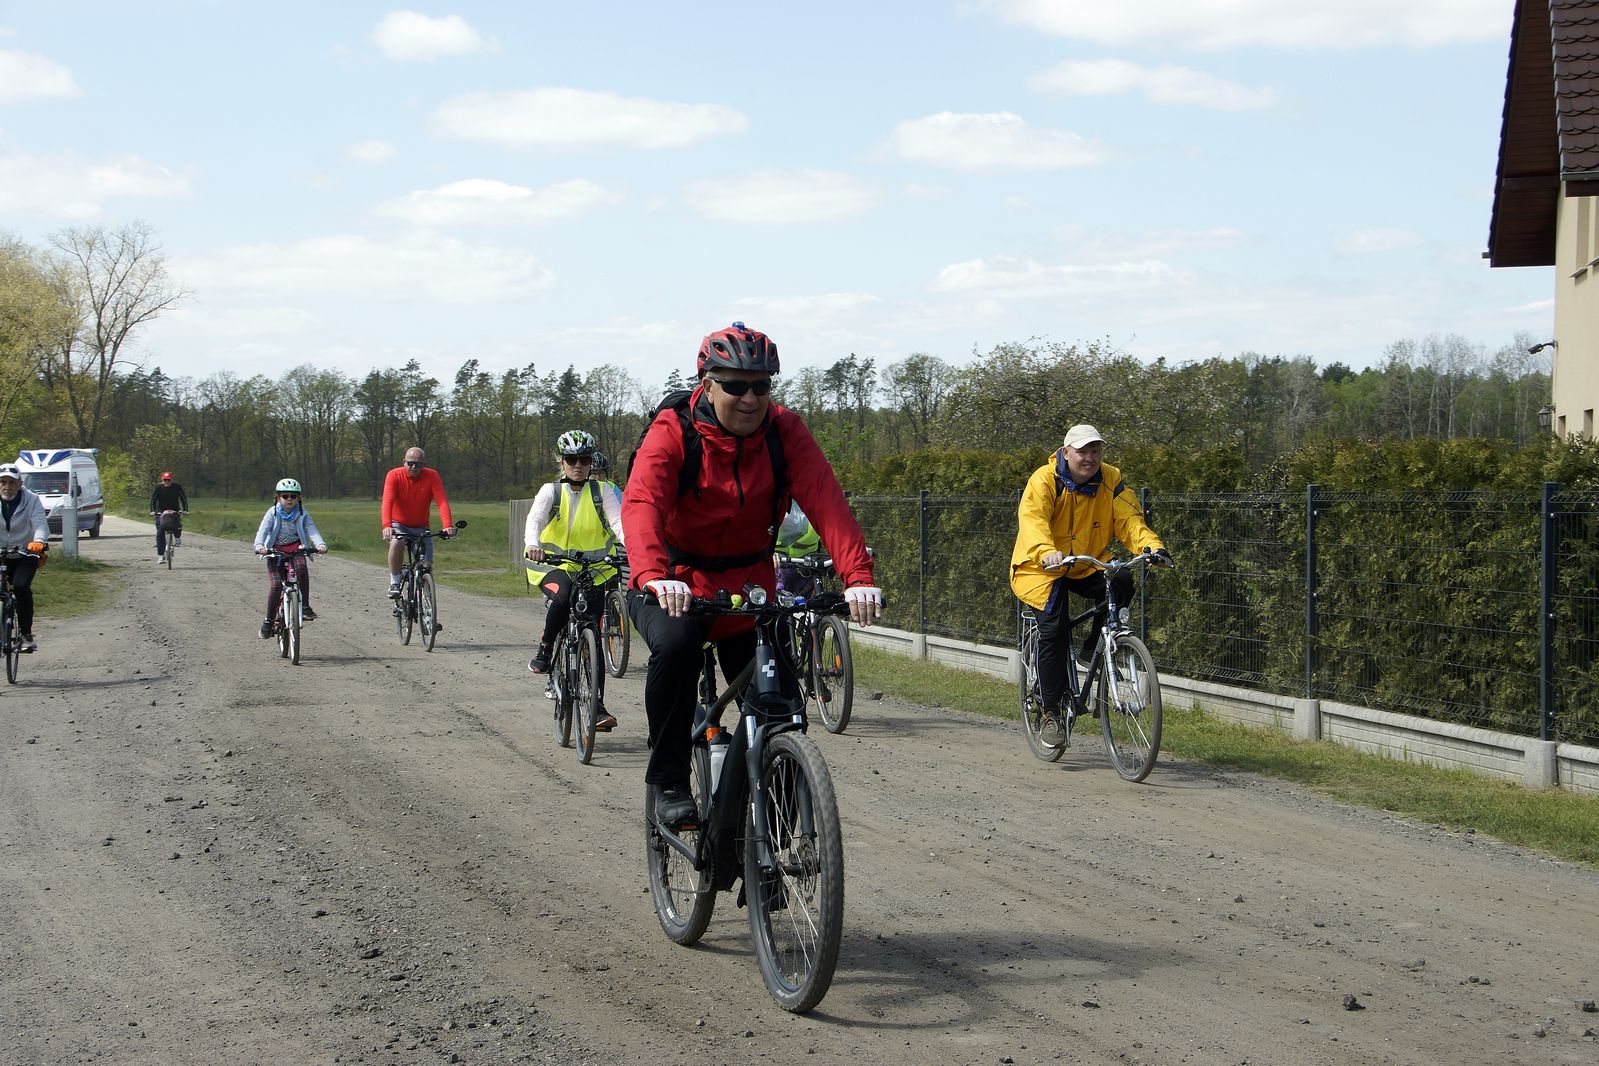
[(663, 588), (864, 594)]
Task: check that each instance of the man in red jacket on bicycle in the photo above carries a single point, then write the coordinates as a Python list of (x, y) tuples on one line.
[(409, 492), (698, 529)]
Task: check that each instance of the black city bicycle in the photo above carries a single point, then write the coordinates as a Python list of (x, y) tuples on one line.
[(575, 661), (1116, 667), (616, 629), (286, 625), (10, 628), (172, 524), (418, 602), (821, 646), (782, 835)]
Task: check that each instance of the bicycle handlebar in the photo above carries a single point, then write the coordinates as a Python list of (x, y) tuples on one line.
[(1143, 558), (441, 534), (826, 603), (280, 553), (591, 558)]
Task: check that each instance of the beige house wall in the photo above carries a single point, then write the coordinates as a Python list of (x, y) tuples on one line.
[(1576, 363)]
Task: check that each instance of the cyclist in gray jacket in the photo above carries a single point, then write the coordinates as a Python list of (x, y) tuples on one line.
[(23, 524), (285, 526)]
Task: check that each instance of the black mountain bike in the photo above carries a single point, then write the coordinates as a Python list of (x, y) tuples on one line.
[(575, 661), (418, 605), (290, 618), (1116, 667), (10, 628), (782, 836), (616, 629), (821, 646)]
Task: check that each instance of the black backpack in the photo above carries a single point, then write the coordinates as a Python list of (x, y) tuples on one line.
[(688, 476)]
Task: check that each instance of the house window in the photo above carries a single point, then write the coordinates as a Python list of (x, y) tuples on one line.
[(1587, 423), (1584, 229), (1560, 424)]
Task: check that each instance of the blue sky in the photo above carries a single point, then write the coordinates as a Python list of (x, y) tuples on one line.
[(354, 184)]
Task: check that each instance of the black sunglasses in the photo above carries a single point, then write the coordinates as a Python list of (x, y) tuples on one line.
[(760, 386), (578, 459), (288, 495), (414, 462)]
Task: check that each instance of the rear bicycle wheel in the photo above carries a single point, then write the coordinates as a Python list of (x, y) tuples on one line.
[(404, 609), (427, 609), (1032, 700), (683, 896), (617, 632), (291, 623), (797, 908), (587, 695), (1128, 698), (12, 638), (832, 672), (561, 683)]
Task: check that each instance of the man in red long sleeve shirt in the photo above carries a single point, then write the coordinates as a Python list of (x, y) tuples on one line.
[(409, 491), (719, 535)]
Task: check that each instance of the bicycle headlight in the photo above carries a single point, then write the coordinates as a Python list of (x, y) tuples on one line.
[(757, 595)]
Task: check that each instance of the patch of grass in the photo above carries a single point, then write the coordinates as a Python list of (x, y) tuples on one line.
[(1560, 823), (476, 561), (70, 588)]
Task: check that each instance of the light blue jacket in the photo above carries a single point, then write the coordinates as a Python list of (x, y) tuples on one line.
[(273, 532)]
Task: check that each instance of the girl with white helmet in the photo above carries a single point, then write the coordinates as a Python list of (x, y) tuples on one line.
[(284, 527)]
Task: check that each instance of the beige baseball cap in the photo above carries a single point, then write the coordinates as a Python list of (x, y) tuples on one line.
[(1078, 436)]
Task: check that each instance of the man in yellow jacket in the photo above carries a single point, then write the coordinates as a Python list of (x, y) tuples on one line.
[(1072, 505)]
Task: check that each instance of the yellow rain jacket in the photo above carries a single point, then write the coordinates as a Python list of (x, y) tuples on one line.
[(570, 528), (1056, 514)]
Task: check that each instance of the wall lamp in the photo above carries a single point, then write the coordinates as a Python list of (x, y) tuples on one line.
[(1536, 348)]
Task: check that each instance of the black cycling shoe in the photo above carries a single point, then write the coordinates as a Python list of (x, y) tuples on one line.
[(266, 629), (604, 721), (675, 807), (540, 663), (307, 615)]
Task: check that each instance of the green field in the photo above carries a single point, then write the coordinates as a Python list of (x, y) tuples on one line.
[(70, 588), (476, 561)]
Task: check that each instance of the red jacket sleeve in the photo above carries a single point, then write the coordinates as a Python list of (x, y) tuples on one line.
[(446, 520), (650, 496), (388, 498), (814, 485)]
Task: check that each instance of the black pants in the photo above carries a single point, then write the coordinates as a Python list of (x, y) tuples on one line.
[(21, 573), (671, 681), (172, 526), (557, 586), (1053, 629)]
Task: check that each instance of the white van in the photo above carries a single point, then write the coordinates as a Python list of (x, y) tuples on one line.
[(45, 470)]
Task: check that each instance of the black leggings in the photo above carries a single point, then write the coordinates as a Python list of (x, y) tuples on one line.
[(557, 586), (1053, 629), (21, 572)]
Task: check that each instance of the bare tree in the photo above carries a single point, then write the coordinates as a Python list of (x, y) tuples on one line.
[(118, 281)]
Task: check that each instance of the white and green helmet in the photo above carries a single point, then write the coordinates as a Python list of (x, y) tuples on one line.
[(288, 484), (576, 442)]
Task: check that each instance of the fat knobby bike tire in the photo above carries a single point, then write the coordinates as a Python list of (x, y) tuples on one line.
[(404, 609), (1032, 703), (618, 632), (796, 911), (1130, 709), (683, 896), (832, 672), (427, 609), (587, 684), (13, 642)]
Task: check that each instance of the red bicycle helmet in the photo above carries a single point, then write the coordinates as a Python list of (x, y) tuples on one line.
[(737, 348)]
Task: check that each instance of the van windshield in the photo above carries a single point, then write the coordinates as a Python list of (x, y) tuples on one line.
[(54, 482)]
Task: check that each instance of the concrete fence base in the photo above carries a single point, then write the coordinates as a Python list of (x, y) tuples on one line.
[(1505, 756)]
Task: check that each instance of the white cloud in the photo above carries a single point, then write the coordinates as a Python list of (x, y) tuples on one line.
[(825, 309), (1234, 23), (1111, 245), (1380, 240), (1165, 84), (371, 151), (65, 187), (993, 141), (409, 35), (1006, 277), (24, 76), (417, 267), (771, 197), (485, 202), (563, 118)]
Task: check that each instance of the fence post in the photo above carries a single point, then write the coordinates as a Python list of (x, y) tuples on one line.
[(1310, 592), (1546, 614), (1143, 586), (921, 568)]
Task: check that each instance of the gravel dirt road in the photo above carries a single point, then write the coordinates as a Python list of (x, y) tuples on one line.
[(208, 855)]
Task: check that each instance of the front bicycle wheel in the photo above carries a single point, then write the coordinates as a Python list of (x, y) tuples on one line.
[(427, 610), (617, 634), (797, 907), (1128, 701), (832, 672), (404, 610), (561, 685), (1032, 700), (588, 688), (291, 623), (13, 643), (170, 554), (683, 896)]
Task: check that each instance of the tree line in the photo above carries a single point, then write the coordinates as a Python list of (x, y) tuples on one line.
[(70, 314)]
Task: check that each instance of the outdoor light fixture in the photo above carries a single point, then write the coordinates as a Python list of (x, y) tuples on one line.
[(1536, 348), (1546, 415)]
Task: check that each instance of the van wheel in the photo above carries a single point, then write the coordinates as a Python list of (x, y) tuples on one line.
[(94, 530)]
